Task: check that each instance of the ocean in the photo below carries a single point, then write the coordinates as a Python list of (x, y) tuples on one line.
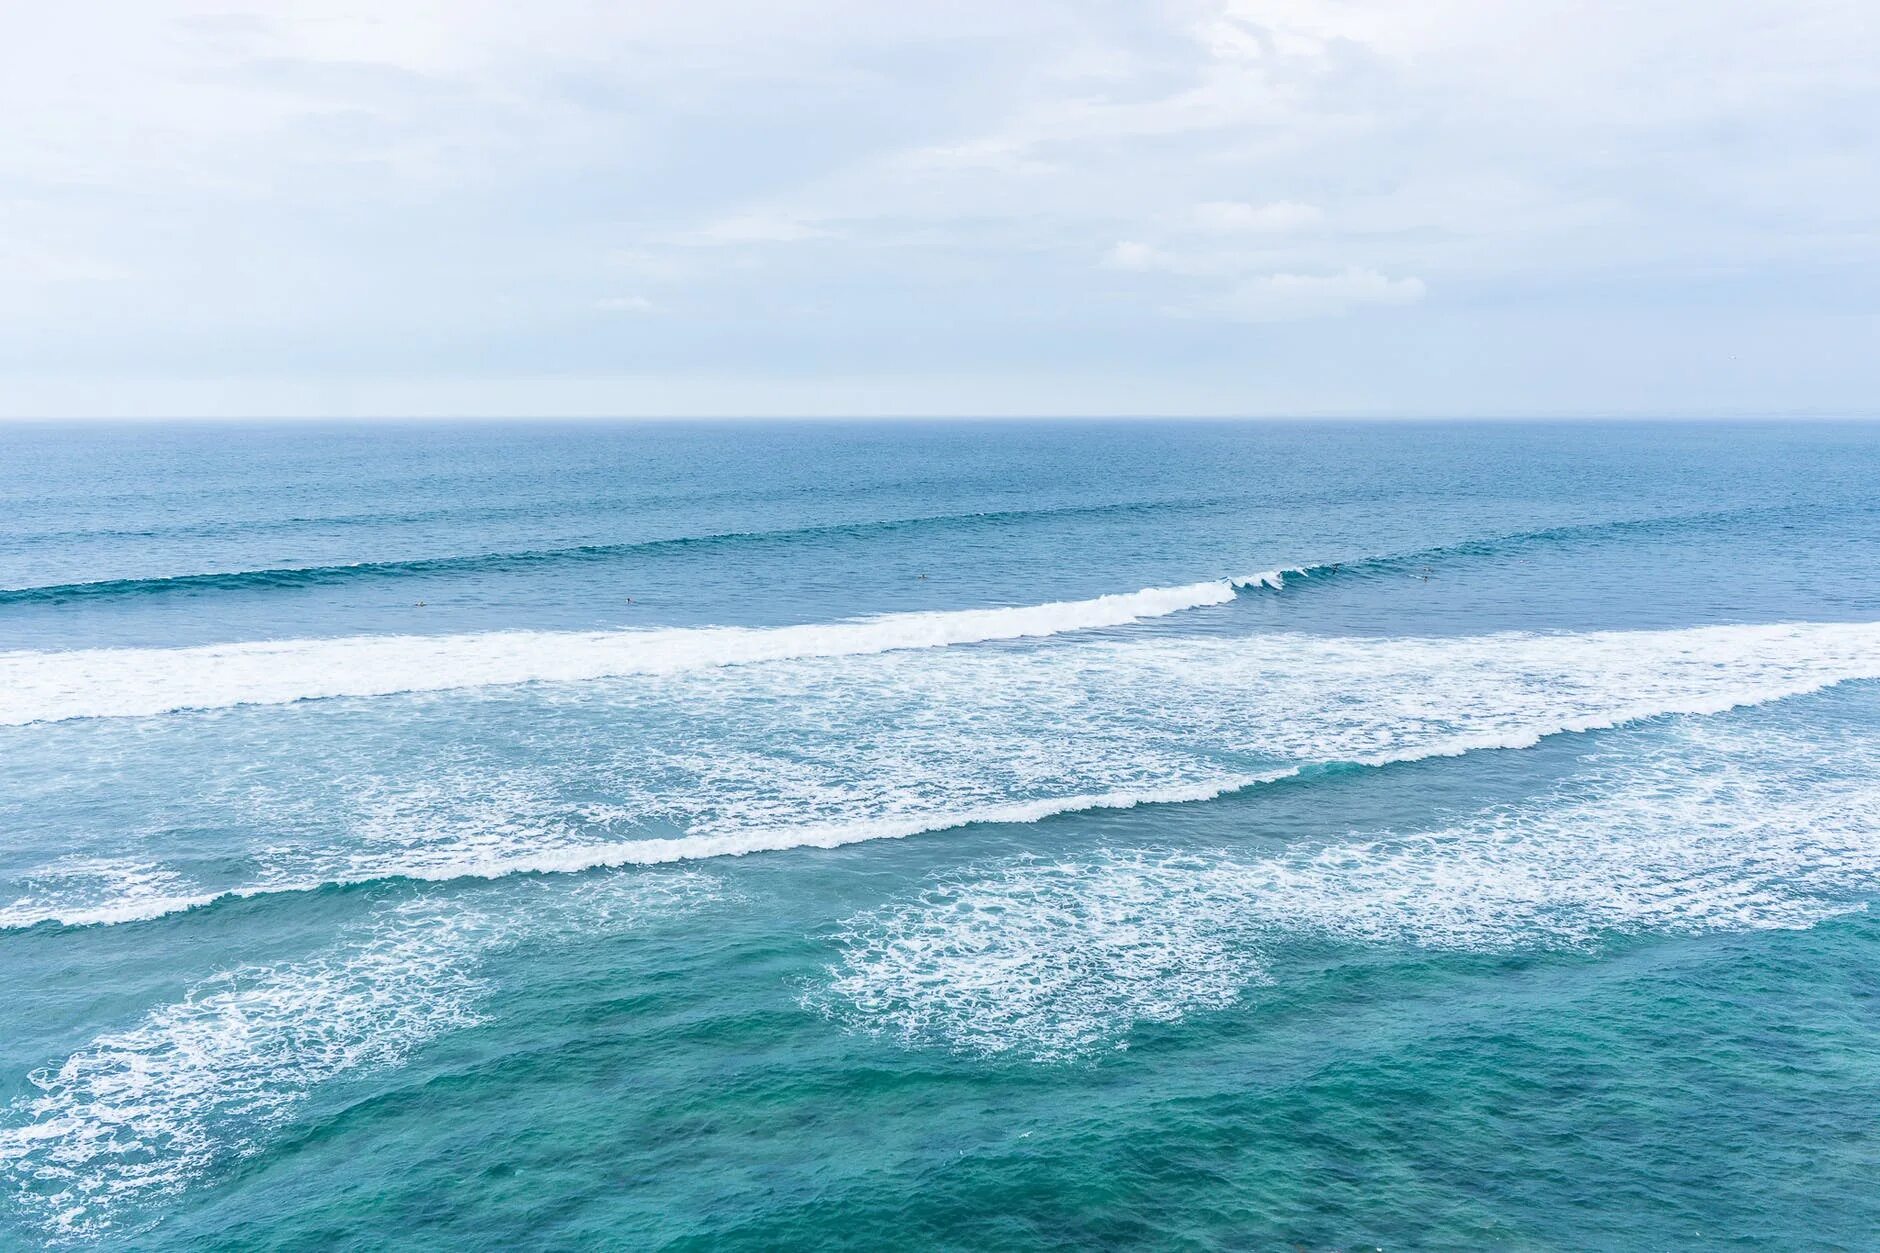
[(940, 835)]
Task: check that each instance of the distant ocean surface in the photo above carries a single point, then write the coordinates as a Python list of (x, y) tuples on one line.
[(977, 836)]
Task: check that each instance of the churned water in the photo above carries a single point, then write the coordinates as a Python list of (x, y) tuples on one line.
[(955, 835)]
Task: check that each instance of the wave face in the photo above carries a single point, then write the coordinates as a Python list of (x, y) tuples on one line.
[(139, 682), (306, 576), (1702, 826), (828, 751)]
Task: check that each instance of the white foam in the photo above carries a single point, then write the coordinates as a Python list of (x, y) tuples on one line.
[(38, 686), (138, 1112), (1698, 827), (99, 890), (141, 1112), (1704, 830), (1052, 959), (823, 753), (503, 848)]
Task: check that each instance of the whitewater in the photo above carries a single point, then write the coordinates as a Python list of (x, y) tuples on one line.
[(1289, 703), (40, 686)]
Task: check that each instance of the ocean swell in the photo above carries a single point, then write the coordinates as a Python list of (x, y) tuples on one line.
[(299, 576)]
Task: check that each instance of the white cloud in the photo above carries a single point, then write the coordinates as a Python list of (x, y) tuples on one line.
[(43, 266), (756, 228), (1251, 296), (1144, 258), (1130, 255), (1297, 297), (625, 304), (1275, 218)]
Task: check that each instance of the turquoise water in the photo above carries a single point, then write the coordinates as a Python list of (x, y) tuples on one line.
[(956, 835)]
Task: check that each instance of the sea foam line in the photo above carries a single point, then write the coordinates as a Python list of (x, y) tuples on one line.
[(49, 686), (666, 851), (650, 852)]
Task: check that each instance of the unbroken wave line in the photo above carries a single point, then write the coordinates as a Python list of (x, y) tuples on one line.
[(142, 682), (687, 848), (290, 577)]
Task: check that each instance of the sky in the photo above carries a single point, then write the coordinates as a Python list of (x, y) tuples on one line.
[(981, 207)]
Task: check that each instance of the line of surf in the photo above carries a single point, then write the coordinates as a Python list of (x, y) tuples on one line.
[(622, 854), (51, 686)]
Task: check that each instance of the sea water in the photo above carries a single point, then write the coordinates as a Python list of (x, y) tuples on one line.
[(1024, 835)]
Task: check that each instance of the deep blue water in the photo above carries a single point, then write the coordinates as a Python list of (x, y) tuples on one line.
[(1018, 835)]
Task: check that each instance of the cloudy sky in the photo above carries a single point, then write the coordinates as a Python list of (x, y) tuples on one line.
[(1001, 207)]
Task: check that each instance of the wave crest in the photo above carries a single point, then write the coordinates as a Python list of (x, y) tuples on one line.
[(50, 686)]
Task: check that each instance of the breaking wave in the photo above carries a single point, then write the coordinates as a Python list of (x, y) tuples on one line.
[(49, 686)]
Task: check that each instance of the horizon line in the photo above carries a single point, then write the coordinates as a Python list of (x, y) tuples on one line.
[(729, 416)]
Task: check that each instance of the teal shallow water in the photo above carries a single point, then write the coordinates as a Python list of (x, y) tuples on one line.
[(1505, 885)]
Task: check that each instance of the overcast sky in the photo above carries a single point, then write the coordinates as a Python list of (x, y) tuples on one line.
[(699, 207)]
